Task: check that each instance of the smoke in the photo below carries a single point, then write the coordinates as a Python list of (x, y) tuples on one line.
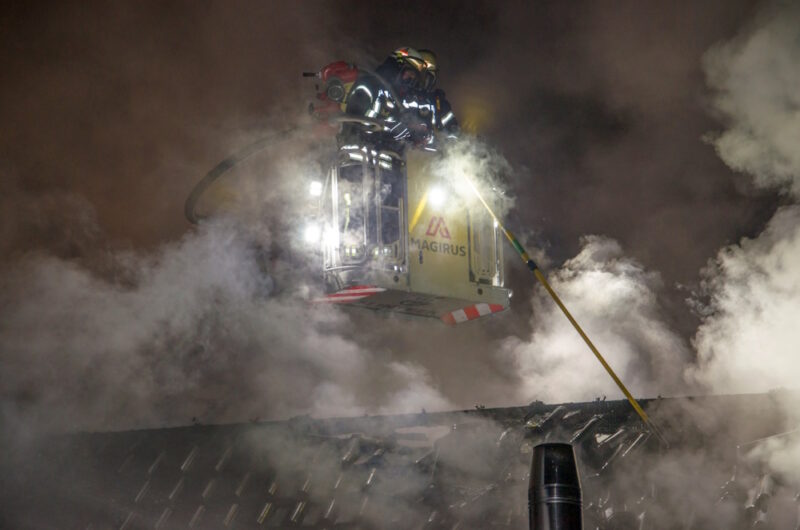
[(397, 473), (473, 169), (747, 341), (161, 113), (616, 302), (193, 330), (754, 77), (748, 301), (110, 318), (779, 455), (209, 325), (613, 296)]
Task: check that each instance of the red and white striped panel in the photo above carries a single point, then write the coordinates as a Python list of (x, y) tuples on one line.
[(350, 294), (470, 313)]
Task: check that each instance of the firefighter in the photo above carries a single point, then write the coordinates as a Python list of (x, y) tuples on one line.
[(443, 118), (399, 93)]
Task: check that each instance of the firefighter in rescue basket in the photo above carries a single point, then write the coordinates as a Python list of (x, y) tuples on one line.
[(395, 236)]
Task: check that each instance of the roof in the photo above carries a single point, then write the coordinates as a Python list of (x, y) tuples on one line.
[(466, 469)]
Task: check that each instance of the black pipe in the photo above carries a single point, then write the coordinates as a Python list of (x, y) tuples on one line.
[(554, 495)]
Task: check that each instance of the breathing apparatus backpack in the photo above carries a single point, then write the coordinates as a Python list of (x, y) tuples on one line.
[(336, 80)]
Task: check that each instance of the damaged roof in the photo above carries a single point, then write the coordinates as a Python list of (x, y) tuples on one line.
[(467, 469)]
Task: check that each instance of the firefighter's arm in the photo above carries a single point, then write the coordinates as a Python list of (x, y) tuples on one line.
[(446, 119)]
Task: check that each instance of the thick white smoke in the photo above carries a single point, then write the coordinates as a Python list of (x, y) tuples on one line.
[(193, 330), (748, 342), (756, 76), (471, 167), (615, 300)]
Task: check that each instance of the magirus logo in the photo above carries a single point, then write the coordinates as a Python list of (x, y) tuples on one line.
[(436, 227)]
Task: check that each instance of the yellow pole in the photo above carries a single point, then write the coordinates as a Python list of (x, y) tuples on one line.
[(418, 212), (542, 280)]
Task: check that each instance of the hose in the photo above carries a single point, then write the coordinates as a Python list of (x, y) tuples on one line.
[(222, 168), (230, 162), (226, 165)]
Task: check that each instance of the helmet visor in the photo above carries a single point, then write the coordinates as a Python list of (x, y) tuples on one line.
[(409, 77)]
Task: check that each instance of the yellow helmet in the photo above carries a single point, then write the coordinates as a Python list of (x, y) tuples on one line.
[(430, 71), (410, 56), (430, 59)]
